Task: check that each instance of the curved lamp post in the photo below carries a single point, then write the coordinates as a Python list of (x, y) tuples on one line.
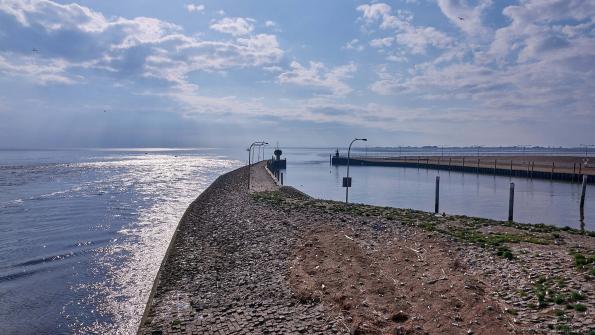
[(257, 143), (347, 182)]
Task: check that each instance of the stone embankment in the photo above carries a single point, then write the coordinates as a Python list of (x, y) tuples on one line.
[(277, 261)]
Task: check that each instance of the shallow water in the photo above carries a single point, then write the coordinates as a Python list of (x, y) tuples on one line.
[(82, 233), (536, 200)]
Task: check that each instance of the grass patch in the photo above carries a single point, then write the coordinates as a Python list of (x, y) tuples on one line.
[(547, 292), (563, 328), (579, 307), (559, 299), (576, 296)]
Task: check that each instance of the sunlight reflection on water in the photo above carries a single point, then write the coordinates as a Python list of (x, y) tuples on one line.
[(132, 260)]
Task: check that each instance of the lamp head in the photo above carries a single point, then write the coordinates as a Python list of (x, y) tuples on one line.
[(364, 139)]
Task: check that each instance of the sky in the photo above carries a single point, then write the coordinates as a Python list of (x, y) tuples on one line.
[(141, 73)]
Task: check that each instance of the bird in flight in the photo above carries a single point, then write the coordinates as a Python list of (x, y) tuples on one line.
[(461, 18)]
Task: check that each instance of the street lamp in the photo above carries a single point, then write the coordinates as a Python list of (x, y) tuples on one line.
[(257, 143), (347, 180)]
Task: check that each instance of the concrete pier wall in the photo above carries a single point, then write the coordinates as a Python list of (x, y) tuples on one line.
[(471, 168)]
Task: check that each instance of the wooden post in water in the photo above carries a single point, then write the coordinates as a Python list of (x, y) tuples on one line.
[(511, 203), (437, 200), (583, 191)]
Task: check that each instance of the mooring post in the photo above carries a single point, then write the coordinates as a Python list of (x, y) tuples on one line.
[(511, 203), (437, 201), (511, 167), (281, 178), (583, 191)]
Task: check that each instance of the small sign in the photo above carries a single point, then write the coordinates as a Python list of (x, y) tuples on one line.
[(346, 181)]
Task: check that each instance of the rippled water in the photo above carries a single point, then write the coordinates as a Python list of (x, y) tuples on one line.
[(82, 233)]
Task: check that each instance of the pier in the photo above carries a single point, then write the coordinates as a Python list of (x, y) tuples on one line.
[(277, 261), (567, 168)]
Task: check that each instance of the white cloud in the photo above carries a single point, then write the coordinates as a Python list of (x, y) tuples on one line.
[(317, 75), (382, 42), (354, 44), (270, 24), (387, 83), (195, 8), (537, 66), (45, 72), (235, 26), (374, 11), (464, 16), (125, 48), (416, 38)]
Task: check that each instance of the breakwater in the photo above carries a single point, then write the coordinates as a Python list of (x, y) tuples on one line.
[(554, 168), (246, 262)]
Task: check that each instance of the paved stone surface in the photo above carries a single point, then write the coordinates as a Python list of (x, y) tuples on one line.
[(261, 180), (227, 267)]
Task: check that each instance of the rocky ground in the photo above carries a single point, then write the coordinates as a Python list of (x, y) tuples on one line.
[(279, 262)]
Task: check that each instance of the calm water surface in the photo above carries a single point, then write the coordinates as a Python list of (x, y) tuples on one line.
[(536, 201)]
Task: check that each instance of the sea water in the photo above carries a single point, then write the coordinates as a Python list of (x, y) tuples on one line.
[(83, 232)]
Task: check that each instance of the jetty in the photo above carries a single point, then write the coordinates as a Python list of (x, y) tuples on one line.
[(271, 259), (568, 168)]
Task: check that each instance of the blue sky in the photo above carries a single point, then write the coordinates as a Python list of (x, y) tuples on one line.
[(316, 73)]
